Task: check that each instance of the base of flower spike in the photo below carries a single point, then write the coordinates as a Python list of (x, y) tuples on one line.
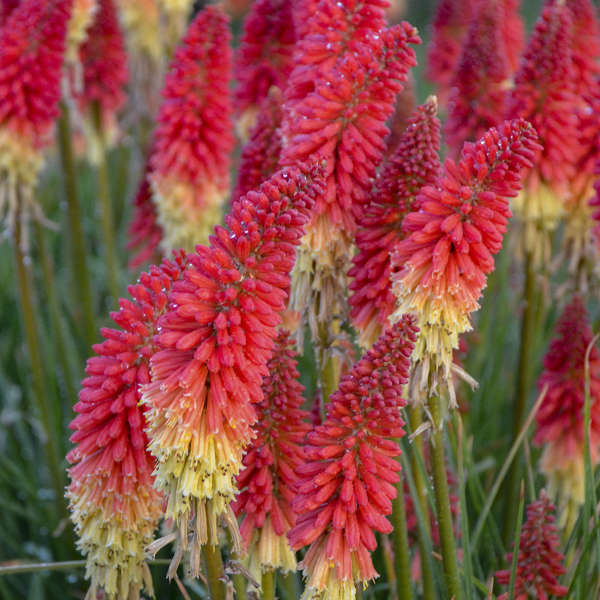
[(539, 209), (187, 213)]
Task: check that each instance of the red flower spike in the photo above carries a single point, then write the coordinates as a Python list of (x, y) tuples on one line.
[(449, 28), (112, 501), (215, 343), (478, 88), (540, 563), (513, 32), (406, 103), (104, 62), (6, 7), (193, 139), (145, 234), (560, 428), (33, 46), (346, 485), (544, 94), (260, 155), (413, 164), (269, 476), (451, 237), (263, 58)]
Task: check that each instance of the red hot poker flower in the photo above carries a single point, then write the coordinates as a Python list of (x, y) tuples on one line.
[(260, 155), (513, 32), (193, 139), (478, 93), (104, 62), (448, 31), (263, 58), (348, 481), (539, 564), (413, 164), (452, 236), (31, 60), (113, 504), (269, 476), (82, 15), (6, 7), (215, 344), (560, 428), (145, 233)]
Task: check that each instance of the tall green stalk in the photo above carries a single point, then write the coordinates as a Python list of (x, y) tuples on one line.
[(49, 279), (267, 585), (442, 501), (415, 416), (38, 376), (520, 402), (78, 254), (108, 221), (214, 571), (401, 552)]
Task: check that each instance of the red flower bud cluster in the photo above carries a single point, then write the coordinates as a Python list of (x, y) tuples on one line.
[(348, 481)]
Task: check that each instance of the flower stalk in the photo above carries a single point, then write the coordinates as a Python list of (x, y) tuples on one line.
[(214, 571), (401, 552)]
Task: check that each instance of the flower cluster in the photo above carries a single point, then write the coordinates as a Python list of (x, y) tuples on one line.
[(113, 504), (451, 239), (193, 139), (539, 564), (413, 164), (33, 46), (214, 347), (6, 7), (269, 476), (82, 15), (560, 428), (264, 57), (347, 482)]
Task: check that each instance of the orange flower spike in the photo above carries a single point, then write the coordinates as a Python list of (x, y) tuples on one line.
[(145, 234), (478, 88), (113, 505), (451, 238), (539, 564), (347, 482), (268, 479), (559, 420), (263, 59), (82, 16), (31, 61), (193, 140), (214, 347), (448, 30), (260, 154), (413, 164), (141, 21)]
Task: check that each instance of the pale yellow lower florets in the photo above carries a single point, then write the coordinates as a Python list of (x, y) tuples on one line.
[(187, 213), (82, 15), (141, 21)]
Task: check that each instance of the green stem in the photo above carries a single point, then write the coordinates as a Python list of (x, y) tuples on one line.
[(40, 385), (66, 565), (415, 415), (49, 278), (289, 585), (108, 222), (442, 501), (401, 552), (267, 585), (329, 371), (78, 253), (214, 572), (520, 402), (240, 584)]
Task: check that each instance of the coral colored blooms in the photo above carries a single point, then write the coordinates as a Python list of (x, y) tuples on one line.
[(413, 164), (560, 429), (113, 504), (478, 87), (539, 564), (452, 237), (448, 31), (33, 45), (193, 139), (215, 344), (104, 62), (264, 57), (145, 233), (348, 481), (6, 7), (269, 476), (260, 155)]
